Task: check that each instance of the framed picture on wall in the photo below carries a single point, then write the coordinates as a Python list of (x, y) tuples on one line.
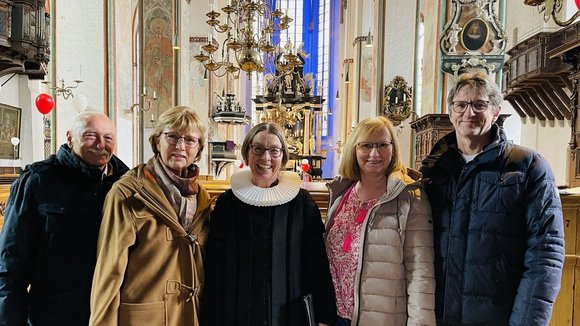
[(9, 127), (475, 34)]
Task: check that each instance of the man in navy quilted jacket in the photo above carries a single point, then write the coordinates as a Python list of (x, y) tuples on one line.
[(48, 245), (499, 239)]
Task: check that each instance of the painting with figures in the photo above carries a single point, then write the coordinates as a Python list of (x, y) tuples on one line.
[(9, 127)]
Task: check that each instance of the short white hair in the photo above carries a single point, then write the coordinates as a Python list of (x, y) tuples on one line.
[(79, 124)]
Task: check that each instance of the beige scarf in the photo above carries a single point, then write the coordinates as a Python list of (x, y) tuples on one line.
[(180, 192)]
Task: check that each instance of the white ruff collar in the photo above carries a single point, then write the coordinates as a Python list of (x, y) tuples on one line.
[(286, 189)]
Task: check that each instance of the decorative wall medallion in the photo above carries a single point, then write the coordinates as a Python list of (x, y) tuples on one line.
[(473, 38)]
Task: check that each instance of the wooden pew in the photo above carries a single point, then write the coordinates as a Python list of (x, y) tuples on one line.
[(4, 193), (568, 298)]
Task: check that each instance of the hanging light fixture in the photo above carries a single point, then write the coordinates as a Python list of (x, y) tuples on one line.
[(249, 26), (369, 41)]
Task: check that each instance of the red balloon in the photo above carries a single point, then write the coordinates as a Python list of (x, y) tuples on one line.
[(578, 4), (44, 103), (305, 167)]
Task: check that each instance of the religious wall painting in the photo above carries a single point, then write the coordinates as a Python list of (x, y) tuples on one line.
[(367, 78), (158, 54), (9, 127)]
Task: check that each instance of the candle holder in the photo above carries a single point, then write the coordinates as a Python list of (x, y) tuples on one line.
[(146, 107)]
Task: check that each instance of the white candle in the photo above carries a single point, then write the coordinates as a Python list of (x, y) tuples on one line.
[(154, 95), (152, 117), (396, 100), (144, 90), (210, 7)]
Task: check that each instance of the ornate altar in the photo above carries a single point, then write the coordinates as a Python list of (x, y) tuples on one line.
[(288, 101)]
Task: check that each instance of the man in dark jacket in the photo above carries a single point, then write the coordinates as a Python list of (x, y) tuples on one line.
[(499, 239), (48, 242)]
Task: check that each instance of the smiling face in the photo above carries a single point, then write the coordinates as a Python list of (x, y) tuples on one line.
[(95, 143), (265, 168), (374, 163), (471, 125), (177, 157)]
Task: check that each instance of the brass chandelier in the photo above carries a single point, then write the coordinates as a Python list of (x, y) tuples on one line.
[(249, 27)]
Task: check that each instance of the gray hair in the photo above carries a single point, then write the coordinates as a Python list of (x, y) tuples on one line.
[(477, 80), (79, 123)]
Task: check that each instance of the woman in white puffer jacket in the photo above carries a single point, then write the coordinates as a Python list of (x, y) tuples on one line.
[(379, 234)]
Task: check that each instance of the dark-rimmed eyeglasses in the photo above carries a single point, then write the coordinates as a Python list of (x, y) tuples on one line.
[(259, 150), (368, 147), (477, 106), (173, 138)]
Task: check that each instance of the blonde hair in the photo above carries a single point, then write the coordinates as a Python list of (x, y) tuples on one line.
[(181, 119), (348, 167)]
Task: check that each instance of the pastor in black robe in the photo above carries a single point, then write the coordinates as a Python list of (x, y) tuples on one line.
[(261, 260)]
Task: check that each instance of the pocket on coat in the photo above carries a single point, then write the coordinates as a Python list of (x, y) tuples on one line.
[(500, 193), (138, 314)]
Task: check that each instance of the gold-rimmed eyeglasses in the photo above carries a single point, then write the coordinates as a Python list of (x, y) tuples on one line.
[(173, 138), (368, 147)]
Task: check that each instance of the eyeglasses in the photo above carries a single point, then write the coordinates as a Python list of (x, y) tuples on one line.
[(477, 106), (260, 150), (368, 147), (173, 138)]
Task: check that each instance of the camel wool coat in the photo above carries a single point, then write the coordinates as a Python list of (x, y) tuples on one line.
[(149, 270)]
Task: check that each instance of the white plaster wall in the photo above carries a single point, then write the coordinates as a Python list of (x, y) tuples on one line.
[(79, 55), (125, 88), (32, 127), (399, 60), (550, 139), (194, 87)]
